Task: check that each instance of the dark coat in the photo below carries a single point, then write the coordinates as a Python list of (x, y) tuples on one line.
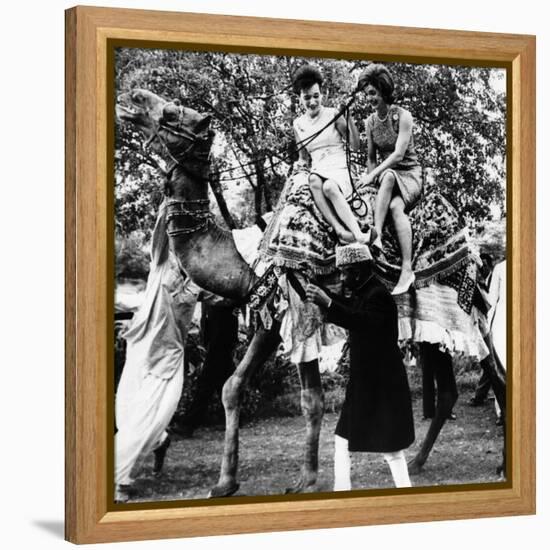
[(377, 412)]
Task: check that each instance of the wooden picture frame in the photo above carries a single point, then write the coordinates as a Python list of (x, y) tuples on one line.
[(89, 517)]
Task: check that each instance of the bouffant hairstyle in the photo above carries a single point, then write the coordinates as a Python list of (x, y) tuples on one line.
[(305, 77), (378, 76)]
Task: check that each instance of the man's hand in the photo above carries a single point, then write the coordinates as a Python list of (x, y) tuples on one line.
[(317, 296)]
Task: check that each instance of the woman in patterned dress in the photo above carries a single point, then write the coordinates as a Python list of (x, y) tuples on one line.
[(397, 170)]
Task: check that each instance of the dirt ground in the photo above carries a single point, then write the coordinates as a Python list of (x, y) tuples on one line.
[(468, 451)]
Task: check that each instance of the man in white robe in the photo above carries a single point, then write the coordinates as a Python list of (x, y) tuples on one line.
[(152, 379)]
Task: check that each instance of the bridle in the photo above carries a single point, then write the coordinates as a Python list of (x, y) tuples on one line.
[(198, 148), (196, 152)]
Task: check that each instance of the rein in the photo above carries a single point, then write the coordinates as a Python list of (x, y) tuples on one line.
[(357, 203), (202, 217), (303, 143)]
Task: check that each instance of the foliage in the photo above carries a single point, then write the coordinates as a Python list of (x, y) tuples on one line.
[(460, 132), (274, 390), (490, 237), (276, 377), (459, 113), (131, 256), (137, 197)]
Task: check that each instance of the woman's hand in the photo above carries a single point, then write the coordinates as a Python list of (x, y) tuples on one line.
[(299, 166), (317, 296), (367, 179), (342, 109)]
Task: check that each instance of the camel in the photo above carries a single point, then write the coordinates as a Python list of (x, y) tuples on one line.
[(209, 255)]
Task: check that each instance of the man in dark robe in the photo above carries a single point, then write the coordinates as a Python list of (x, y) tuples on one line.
[(377, 411)]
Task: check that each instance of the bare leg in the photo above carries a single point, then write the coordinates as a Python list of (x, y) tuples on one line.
[(446, 398), (313, 405), (343, 209), (382, 204), (262, 345), (316, 187), (404, 236)]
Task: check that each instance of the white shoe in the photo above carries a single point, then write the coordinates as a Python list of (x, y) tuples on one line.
[(377, 242), (404, 287)]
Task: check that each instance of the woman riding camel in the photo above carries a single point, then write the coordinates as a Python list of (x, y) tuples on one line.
[(397, 170), (312, 215), (322, 142)]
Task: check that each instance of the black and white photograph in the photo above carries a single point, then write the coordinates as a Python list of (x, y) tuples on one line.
[(310, 275)]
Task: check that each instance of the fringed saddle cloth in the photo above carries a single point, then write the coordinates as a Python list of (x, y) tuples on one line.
[(446, 307), (299, 238)]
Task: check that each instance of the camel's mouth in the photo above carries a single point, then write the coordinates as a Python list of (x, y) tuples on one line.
[(139, 107), (127, 111)]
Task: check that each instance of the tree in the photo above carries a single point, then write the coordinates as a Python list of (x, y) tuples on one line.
[(459, 126)]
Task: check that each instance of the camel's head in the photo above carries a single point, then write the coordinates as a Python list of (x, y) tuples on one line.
[(175, 132), (141, 108)]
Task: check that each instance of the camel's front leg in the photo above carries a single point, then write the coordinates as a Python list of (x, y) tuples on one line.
[(312, 402), (262, 345), (440, 365)]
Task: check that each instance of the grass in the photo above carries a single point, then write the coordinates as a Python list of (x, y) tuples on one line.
[(467, 451)]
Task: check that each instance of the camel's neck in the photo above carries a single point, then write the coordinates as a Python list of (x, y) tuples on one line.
[(211, 259), (207, 253)]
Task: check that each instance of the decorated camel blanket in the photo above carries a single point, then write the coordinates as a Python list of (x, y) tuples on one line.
[(445, 308)]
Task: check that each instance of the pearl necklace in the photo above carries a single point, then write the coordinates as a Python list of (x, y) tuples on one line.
[(383, 119)]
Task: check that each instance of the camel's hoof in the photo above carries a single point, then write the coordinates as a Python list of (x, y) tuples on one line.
[(415, 467), (300, 486), (220, 491), (123, 493)]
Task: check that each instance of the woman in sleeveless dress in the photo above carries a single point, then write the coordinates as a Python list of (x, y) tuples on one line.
[(392, 163), (329, 177)]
